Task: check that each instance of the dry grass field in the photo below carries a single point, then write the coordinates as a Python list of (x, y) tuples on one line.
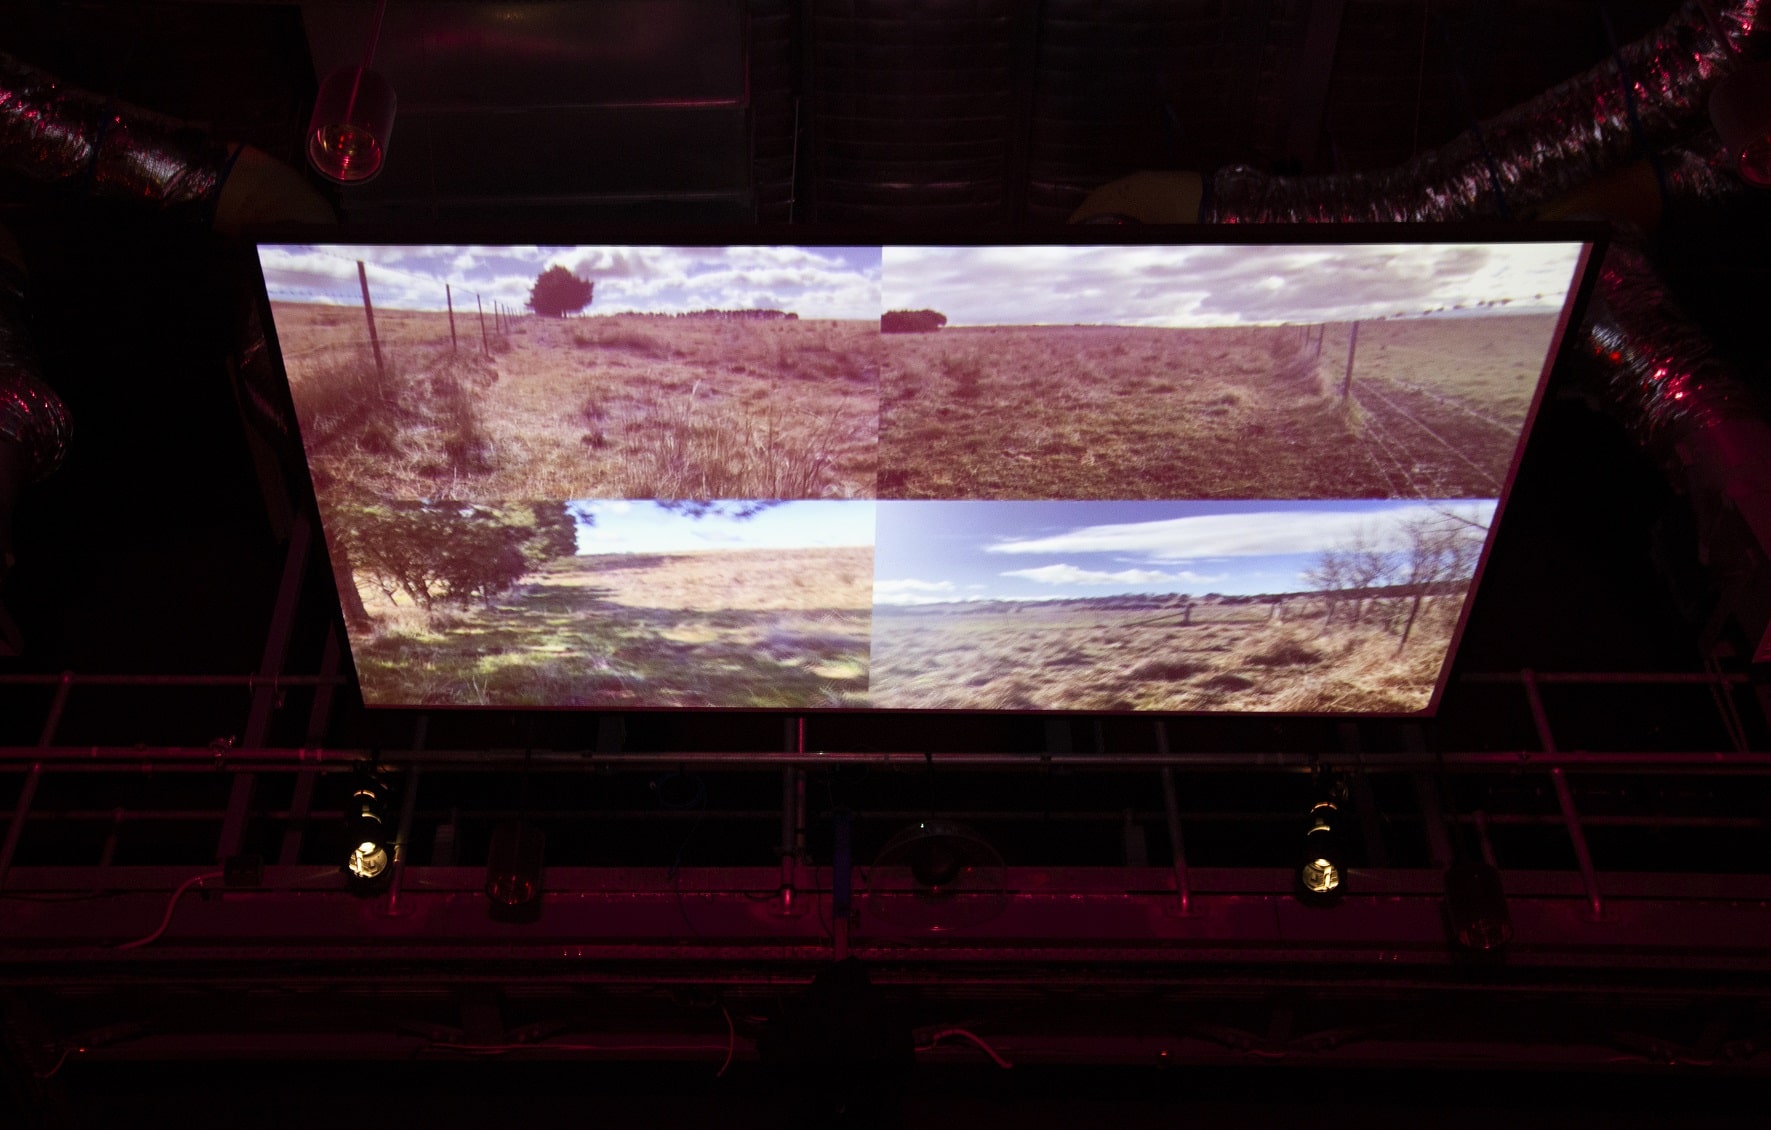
[(621, 406), (1104, 412), (1142, 653), (779, 629)]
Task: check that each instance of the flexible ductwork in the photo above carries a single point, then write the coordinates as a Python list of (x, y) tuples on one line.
[(56, 137), (1567, 153), (32, 417), (1688, 405), (61, 137), (1533, 153)]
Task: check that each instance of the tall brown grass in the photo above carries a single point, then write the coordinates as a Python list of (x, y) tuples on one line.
[(1102, 655), (598, 407), (682, 448)]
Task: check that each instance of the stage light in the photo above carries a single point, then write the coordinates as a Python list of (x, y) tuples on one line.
[(1476, 906), (513, 872), (366, 828), (353, 118), (1321, 869)]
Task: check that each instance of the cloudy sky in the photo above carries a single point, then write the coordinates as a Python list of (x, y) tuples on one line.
[(813, 282), (622, 526), (1207, 286), (935, 552)]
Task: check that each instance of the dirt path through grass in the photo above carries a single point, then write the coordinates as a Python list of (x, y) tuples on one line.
[(618, 406)]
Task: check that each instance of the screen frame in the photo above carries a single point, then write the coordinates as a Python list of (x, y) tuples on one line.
[(1595, 235)]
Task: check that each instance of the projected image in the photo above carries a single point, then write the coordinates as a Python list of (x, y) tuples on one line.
[(1371, 371), (729, 603), (1305, 607), (491, 373), (1230, 478)]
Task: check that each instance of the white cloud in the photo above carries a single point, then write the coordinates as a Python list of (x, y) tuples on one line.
[(1072, 575), (1204, 285), (1255, 534), (912, 591)]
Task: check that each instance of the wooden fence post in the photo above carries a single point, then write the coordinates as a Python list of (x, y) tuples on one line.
[(449, 297), (1352, 347), (369, 310), (485, 346)]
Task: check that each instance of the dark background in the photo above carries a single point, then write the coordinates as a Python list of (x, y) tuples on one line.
[(159, 548)]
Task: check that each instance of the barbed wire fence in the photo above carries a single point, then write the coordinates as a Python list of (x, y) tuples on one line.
[(1409, 454), (503, 316)]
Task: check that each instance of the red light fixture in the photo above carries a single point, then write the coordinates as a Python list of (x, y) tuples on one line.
[(353, 118)]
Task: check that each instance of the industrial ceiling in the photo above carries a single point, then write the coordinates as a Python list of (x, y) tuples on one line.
[(180, 698)]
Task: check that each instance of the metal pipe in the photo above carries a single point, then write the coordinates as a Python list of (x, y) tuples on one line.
[(1540, 718), (64, 685), (1582, 856), (201, 758), (297, 814), (17, 827), (1172, 812), (1607, 678), (1426, 794), (1596, 678), (250, 681), (318, 716), (408, 804), (1570, 817), (58, 705), (1533, 153), (788, 859), (1487, 845), (1177, 847)]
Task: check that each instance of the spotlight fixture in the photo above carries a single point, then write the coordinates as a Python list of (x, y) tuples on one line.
[(1476, 906), (936, 876), (513, 872), (1321, 868), (371, 847), (353, 118)]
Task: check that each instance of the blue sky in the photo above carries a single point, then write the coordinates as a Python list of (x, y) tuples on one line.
[(623, 526), (1227, 285), (813, 282), (936, 552)]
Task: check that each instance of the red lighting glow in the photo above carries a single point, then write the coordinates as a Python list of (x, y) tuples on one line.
[(1740, 108), (352, 121)]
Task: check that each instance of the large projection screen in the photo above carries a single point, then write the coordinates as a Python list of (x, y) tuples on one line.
[(1177, 472)]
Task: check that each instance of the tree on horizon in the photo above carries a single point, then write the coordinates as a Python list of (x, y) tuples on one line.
[(558, 292)]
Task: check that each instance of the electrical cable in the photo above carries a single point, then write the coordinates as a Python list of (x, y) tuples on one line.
[(500, 1049), (171, 905), (59, 1060), (731, 1042), (936, 1037)]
